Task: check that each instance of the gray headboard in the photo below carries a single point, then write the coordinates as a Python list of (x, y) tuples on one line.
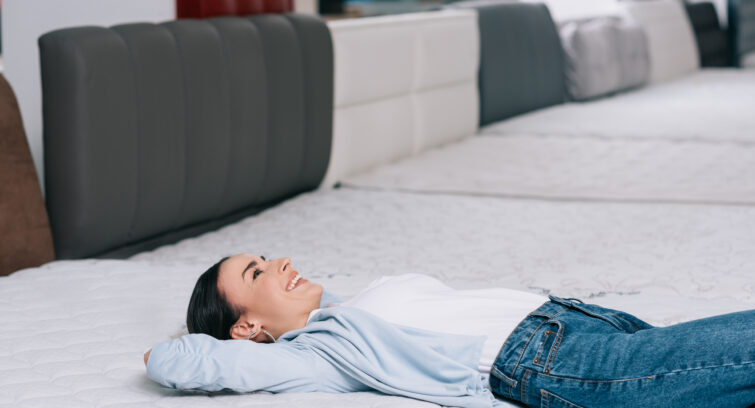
[(156, 132), (741, 17), (521, 59), (711, 39)]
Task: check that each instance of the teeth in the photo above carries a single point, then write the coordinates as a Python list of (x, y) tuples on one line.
[(293, 282)]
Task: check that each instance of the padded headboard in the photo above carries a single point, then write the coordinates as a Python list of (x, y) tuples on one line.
[(671, 42), (712, 42), (403, 84), (155, 132), (741, 29), (521, 62)]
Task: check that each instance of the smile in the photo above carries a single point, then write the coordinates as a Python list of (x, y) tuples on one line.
[(293, 282)]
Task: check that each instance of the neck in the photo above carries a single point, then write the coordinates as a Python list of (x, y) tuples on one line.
[(299, 321)]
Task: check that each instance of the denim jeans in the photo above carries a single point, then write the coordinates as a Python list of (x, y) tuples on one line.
[(570, 354)]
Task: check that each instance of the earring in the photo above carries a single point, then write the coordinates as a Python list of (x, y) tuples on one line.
[(252, 334)]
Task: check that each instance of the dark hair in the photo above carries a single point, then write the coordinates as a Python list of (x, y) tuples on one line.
[(209, 312)]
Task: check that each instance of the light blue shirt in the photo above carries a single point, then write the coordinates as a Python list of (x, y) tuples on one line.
[(341, 349)]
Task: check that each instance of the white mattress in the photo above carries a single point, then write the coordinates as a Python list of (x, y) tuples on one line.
[(711, 104), (72, 333), (577, 168)]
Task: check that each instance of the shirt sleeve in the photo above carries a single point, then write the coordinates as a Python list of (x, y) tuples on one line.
[(199, 361)]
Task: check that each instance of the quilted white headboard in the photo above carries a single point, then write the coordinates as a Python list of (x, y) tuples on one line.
[(671, 41), (403, 84)]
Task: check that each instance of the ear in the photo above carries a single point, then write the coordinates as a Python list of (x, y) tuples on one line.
[(241, 329)]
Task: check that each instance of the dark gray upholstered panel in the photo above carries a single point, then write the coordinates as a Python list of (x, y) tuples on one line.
[(741, 16), (154, 132), (712, 42), (521, 59)]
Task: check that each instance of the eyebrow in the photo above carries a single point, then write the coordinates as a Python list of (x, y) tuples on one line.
[(248, 267)]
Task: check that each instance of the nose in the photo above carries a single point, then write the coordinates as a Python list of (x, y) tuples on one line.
[(284, 262)]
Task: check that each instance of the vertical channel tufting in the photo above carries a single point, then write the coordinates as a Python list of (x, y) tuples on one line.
[(161, 120), (248, 111), (220, 199), (89, 135), (206, 91), (285, 106), (154, 133), (317, 62), (136, 159)]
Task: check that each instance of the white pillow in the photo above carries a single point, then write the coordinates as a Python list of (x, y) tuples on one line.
[(747, 60), (603, 56)]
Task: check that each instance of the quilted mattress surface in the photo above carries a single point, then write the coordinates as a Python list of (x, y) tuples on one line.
[(572, 168), (710, 104), (72, 332)]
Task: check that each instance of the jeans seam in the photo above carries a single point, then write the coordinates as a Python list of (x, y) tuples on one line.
[(544, 396), (552, 354), (538, 361), (525, 380), (647, 377), (559, 377), (706, 368)]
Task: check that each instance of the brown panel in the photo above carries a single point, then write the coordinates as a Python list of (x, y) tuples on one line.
[(25, 238), (216, 8)]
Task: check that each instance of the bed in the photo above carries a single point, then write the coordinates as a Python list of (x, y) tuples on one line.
[(522, 85), (682, 140), (74, 330), (708, 104), (554, 167)]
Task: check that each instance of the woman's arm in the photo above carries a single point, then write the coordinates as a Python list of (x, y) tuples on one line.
[(198, 361)]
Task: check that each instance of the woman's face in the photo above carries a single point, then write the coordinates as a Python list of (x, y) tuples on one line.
[(268, 295)]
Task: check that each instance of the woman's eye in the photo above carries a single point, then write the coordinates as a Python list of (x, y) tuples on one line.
[(256, 273)]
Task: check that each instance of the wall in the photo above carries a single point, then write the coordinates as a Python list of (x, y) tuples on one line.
[(23, 21)]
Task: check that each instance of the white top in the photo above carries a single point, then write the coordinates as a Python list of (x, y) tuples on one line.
[(426, 303)]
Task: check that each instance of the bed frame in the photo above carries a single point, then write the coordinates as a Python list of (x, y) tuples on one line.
[(157, 132)]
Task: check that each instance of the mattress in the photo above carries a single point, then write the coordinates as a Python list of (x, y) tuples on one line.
[(73, 331), (710, 104), (577, 168)]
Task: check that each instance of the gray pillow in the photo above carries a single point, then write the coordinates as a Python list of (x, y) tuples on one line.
[(603, 56)]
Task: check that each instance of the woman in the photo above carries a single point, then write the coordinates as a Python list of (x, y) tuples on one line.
[(411, 335)]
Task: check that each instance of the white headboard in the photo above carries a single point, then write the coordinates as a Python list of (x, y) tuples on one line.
[(403, 84), (671, 41), (567, 10)]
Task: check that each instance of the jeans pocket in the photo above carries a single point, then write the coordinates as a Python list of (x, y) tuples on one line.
[(551, 400), (549, 338), (545, 345)]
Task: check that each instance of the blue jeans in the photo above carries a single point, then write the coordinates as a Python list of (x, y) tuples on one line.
[(570, 354)]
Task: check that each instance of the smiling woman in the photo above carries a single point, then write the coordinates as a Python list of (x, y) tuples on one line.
[(414, 336), (248, 297)]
